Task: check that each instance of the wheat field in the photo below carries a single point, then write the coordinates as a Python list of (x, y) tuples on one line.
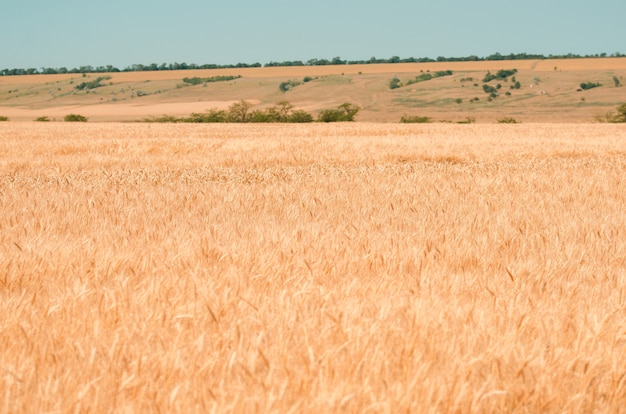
[(364, 268)]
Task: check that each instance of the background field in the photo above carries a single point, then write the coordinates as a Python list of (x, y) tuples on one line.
[(344, 268), (548, 91)]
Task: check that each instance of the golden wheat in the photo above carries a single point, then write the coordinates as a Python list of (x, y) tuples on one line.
[(319, 268)]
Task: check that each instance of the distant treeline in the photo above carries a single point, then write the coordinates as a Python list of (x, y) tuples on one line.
[(310, 62)]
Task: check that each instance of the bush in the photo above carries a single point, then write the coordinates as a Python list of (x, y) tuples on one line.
[(501, 74), (415, 119), (75, 118), (198, 81), (428, 76), (96, 83), (394, 83), (42, 119), (163, 119), (285, 86), (4, 118), (344, 113), (620, 117), (616, 81), (211, 116), (299, 117), (589, 85), (468, 120), (239, 112), (507, 120)]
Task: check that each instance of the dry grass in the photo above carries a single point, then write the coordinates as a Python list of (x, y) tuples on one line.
[(345, 268)]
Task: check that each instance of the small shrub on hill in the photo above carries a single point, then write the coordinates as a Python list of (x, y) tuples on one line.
[(394, 83), (507, 120), (589, 85), (4, 118), (198, 81), (96, 83), (287, 85), (42, 119), (501, 74), (428, 76)]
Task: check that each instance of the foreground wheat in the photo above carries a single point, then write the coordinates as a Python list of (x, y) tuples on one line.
[(353, 268)]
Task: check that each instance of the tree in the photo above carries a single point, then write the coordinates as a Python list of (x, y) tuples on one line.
[(75, 118), (239, 111), (344, 113), (394, 83), (621, 114)]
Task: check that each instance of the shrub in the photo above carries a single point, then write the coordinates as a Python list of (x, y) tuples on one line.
[(616, 81), (589, 85), (299, 117), (285, 86), (501, 74), (96, 83), (42, 119), (344, 113), (75, 118), (211, 116), (307, 79), (415, 119), (468, 120), (198, 81), (428, 76), (620, 117), (507, 120), (394, 83), (4, 118), (239, 112), (490, 89), (163, 119)]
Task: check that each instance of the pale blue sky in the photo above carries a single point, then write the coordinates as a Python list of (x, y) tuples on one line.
[(72, 33)]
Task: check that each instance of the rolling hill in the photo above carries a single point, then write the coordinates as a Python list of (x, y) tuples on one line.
[(546, 91)]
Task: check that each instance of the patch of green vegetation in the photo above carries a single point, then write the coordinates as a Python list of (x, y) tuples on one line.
[(416, 119), (287, 85), (589, 85), (343, 113), (428, 76), (616, 118), (4, 118), (42, 119), (507, 120), (75, 118), (96, 83), (502, 74), (211, 79), (240, 112)]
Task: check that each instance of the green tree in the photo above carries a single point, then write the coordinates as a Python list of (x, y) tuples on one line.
[(621, 114), (239, 111), (394, 83), (75, 118), (343, 113)]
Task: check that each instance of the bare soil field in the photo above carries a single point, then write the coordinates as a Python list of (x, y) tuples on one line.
[(312, 268), (548, 92)]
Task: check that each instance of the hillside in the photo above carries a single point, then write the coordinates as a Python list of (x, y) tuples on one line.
[(548, 91)]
